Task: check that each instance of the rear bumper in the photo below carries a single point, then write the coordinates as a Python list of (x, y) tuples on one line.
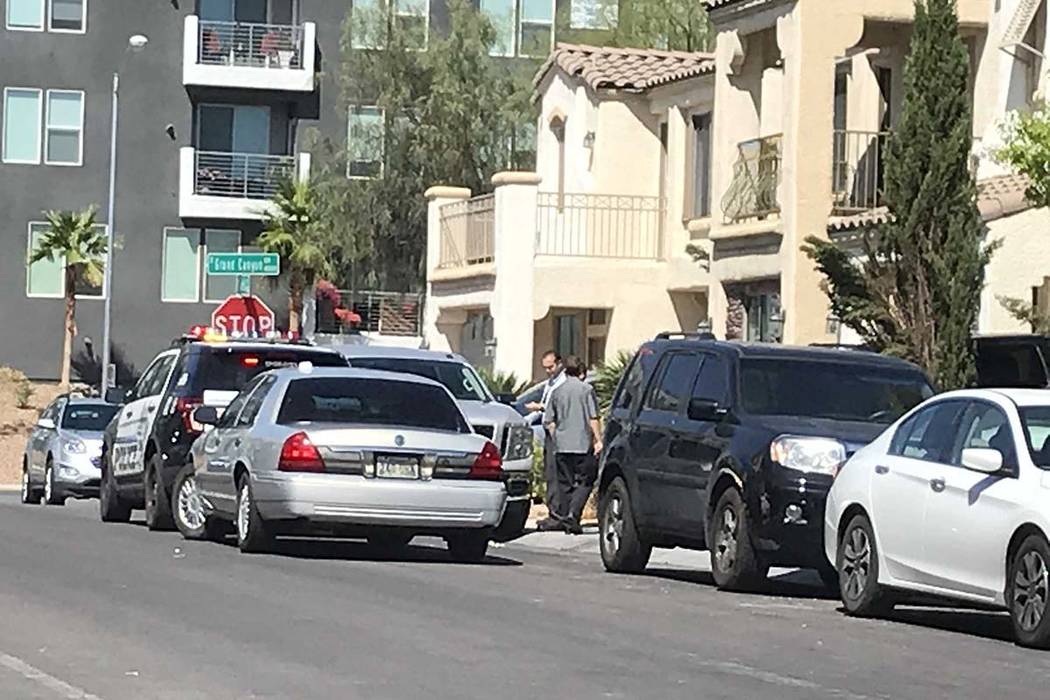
[(355, 500)]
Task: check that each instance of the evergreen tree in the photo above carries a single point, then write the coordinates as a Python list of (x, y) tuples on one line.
[(916, 291)]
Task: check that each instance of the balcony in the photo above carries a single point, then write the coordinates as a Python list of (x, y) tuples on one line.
[(627, 227), (756, 178), (858, 167), (386, 313), (468, 233), (246, 55), (216, 185)]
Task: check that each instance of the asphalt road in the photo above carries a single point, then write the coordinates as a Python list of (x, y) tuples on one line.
[(113, 612)]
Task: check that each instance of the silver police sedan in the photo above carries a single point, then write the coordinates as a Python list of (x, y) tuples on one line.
[(344, 452), (62, 453)]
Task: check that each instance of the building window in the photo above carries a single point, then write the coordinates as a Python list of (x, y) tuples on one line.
[(218, 287), (64, 144), (701, 165), (523, 147), (763, 318), (537, 28), (46, 278), (25, 15), (367, 24), (68, 16), (558, 128), (567, 335), (22, 116), (364, 142), (501, 14), (412, 22), (594, 14), (180, 271)]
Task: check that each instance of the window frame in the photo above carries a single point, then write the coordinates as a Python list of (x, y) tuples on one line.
[(382, 146), (519, 29), (895, 449), (202, 258), (43, 19), (612, 21), (39, 125), (62, 276), (395, 13), (698, 210), (262, 388), (51, 18), (1011, 462), (512, 50), (658, 378), (47, 128), (197, 279)]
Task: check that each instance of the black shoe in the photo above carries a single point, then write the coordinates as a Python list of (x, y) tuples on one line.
[(549, 525), (574, 528)]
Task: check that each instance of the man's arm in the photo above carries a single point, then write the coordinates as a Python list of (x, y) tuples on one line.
[(550, 417), (592, 419)]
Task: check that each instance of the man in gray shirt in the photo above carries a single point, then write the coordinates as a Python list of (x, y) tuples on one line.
[(571, 417)]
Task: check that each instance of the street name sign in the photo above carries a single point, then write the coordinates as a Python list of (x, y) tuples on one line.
[(237, 264)]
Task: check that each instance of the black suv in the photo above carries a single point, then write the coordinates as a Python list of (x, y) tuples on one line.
[(1015, 361), (733, 447), (149, 440)]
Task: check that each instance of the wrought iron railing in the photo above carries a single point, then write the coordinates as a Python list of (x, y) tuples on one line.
[(756, 178), (468, 233), (386, 313), (247, 44), (858, 168), (600, 225), (243, 175)]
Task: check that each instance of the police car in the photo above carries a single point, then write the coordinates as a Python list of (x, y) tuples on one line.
[(149, 440)]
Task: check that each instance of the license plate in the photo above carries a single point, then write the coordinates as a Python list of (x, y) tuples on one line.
[(397, 468)]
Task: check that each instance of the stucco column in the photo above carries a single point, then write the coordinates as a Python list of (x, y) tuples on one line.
[(515, 252), (436, 197)]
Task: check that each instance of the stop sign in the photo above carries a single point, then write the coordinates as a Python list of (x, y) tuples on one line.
[(246, 315)]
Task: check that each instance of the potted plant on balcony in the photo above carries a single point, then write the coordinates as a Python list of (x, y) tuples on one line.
[(277, 47)]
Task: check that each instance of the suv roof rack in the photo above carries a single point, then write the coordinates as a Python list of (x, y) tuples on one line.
[(686, 335)]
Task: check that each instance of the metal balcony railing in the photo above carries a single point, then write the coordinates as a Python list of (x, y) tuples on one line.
[(468, 234), (858, 167), (245, 44), (600, 226), (756, 177), (386, 313), (241, 175)]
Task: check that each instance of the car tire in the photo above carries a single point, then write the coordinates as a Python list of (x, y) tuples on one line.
[(29, 494), (52, 496), (111, 508), (388, 541), (158, 506), (469, 547), (735, 565), (512, 525), (857, 561), (1028, 593), (188, 512), (622, 549), (254, 535)]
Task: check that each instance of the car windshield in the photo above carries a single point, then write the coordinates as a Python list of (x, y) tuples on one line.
[(460, 379), (227, 369), (370, 402), (1036, 421), (93, 417), (831, 390)]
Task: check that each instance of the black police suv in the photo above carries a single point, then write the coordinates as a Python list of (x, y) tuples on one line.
[(149, 440), (733, 447)]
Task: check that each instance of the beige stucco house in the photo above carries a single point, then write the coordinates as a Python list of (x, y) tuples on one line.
[(740, 154)]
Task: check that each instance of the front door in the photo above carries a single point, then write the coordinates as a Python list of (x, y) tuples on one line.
[(136, 419)]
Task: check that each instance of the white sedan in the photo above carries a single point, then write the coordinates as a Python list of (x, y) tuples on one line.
[(952, 500)]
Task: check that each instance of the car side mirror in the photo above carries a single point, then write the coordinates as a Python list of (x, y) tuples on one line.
[(116, 395), (506, 399), (206, 415), (46, 424), (982, 459), (706, 410)]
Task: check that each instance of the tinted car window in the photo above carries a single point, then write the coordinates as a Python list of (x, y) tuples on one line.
[(229, 415), (255, 402), (984, 425), (229, 369), (631, 387), (675, 378), (458, 378), (713, 380), (88, 416), (832, 390), (929, 435), (1002, 365), (1036, 422), (149, 378), (370, 402)]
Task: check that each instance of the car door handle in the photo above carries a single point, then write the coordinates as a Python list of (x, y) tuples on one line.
[(237, 442), (151, 409), (881, 469), (937, 484)]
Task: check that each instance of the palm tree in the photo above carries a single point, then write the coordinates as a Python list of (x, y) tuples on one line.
[(73, 238), (502, 382), (291, 230)]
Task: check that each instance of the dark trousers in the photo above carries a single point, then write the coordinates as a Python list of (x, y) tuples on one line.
[(550, 477), (576, 474)]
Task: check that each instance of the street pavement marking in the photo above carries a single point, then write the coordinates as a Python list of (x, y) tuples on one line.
[(34, 674), (745, 671)]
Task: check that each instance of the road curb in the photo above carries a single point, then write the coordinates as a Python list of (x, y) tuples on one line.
[(10, 488)]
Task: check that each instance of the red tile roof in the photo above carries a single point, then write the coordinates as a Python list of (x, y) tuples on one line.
[(635, 70)]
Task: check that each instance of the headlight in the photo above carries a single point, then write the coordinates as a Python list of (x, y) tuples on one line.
[(68, 473), (519, 442), (74, 446), (808, 454)]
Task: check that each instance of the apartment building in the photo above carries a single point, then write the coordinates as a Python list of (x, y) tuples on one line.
[(673, 191), (213, 112)]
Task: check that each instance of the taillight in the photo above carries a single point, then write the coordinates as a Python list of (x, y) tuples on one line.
[(185, 407), (488, 465), (299, 455)]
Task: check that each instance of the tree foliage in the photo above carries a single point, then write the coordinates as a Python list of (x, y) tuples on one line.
[(502, 382), (676, 25), (607, 377), (916, 290), (1026, 312), (1026, 149)]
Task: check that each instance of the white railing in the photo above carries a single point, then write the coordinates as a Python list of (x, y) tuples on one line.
[(241, 175), (386, 313), (468, 232), (600, 226), (250, 45)]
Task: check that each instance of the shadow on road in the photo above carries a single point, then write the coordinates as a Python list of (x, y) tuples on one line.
[(353, 550), (796, 584), (978, 623)]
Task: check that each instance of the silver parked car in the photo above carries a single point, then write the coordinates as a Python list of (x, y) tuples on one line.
[(346, 452), (63, 453)]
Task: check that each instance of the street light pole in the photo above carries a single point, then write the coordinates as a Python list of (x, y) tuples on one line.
[(110, 235)]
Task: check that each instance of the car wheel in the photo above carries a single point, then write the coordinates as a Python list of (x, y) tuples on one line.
[(389, 541), (52, 496), (512, 525), (29, 494), (735, 565), (187, 509), (1029, 593), (254, 535), (857, 562), (622, 549), (158, 507), (470, 546), (111, 508)]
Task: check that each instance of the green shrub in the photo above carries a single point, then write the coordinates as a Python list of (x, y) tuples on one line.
[(607, 378), (502, 382), (537, 479), (19, 385)]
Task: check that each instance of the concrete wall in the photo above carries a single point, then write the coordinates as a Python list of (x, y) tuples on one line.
[(1020, 263)]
